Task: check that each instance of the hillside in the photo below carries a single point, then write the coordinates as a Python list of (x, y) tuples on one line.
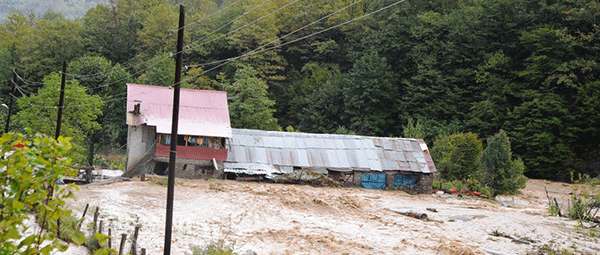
[(72, 9)]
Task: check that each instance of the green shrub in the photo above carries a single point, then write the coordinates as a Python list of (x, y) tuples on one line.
[(501, 172), (30, 166), (585, 200), (414, 129), (456, 156), (214, 248), (159, 181)]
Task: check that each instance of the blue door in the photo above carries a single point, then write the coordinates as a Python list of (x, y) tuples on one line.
[(373, 181)]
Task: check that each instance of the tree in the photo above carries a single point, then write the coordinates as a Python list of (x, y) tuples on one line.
[(160, 71), (457, 155), (320, 103), (54, 40), (414, 129), (501, 172), (369, 96), (100, 77), (249, 106), (39, 113), (158, 31)]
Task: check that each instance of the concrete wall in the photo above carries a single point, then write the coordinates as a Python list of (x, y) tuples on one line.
[(140, 142), (195, 169)]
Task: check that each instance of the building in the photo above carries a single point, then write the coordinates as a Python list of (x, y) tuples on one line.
[(208, 147), (203, 129), (372, 162)]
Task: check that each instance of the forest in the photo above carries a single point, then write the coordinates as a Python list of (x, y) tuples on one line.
[(529, 68)]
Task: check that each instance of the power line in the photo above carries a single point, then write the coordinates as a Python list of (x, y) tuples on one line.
[(166, 57), (240, 28), (253, 52), (280, 38), (171, 33), (260, 49)]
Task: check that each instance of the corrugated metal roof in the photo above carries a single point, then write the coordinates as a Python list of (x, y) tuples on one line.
[(290, 149), (201, 112)]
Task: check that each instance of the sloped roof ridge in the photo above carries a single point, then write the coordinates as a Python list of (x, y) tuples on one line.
[(243, 131)]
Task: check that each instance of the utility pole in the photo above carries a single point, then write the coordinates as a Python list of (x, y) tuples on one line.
[(10, 104), (61, 101), (174, 126)]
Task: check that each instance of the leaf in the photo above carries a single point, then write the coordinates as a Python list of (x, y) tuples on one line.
[(78, 238)]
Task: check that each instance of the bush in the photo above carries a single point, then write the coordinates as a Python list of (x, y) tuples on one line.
[(585, 200), (501, 172), (456, 156), (30, 166), (214, 248)]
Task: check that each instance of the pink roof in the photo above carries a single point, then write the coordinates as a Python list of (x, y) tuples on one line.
[(201, 112)]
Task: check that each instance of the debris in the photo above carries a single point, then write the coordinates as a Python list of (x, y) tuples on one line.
[(306, 177), (107, 181), (416, 215), (431, 209)]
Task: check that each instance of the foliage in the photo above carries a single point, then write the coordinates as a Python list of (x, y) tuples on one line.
[(414, 129), (501, 172), (100, 77), (38, 112), (219, 247), (249, 106), (30, 169), (368, 96), (344, 131), (97, 244), (586, 198), (160, 71), (471, 185), (457, 155), (159, 181), (45, 49), (527, 67)]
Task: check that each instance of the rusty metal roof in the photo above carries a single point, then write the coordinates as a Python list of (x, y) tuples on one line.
[(201, 112), (289, 149)]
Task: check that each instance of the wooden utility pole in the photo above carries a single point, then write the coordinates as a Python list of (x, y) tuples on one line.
[(10, 104), (174, 126), (61, 101)]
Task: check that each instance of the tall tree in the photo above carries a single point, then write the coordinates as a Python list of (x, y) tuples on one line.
[(54, 40), (501, 172), (100, 77), (249, 106), (370, 96), (39, 113)]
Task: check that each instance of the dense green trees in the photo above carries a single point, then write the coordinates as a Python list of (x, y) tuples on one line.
[(528, 67), (249, 106), (39, 112), (501, 172), (457, 156)]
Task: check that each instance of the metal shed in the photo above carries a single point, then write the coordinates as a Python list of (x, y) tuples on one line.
[(271, 153)]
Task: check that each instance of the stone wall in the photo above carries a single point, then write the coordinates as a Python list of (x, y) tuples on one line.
[(195, 169), (423, 185)]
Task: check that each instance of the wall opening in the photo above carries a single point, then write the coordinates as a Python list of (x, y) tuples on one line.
[(161, 168)]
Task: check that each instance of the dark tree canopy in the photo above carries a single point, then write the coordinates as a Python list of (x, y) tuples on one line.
[(528, 67)]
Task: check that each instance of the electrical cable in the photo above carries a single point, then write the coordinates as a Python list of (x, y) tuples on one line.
[(171, 33), (229, 60), (286, 35)]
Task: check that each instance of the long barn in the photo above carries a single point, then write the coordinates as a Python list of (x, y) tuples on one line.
[(372, 162)]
